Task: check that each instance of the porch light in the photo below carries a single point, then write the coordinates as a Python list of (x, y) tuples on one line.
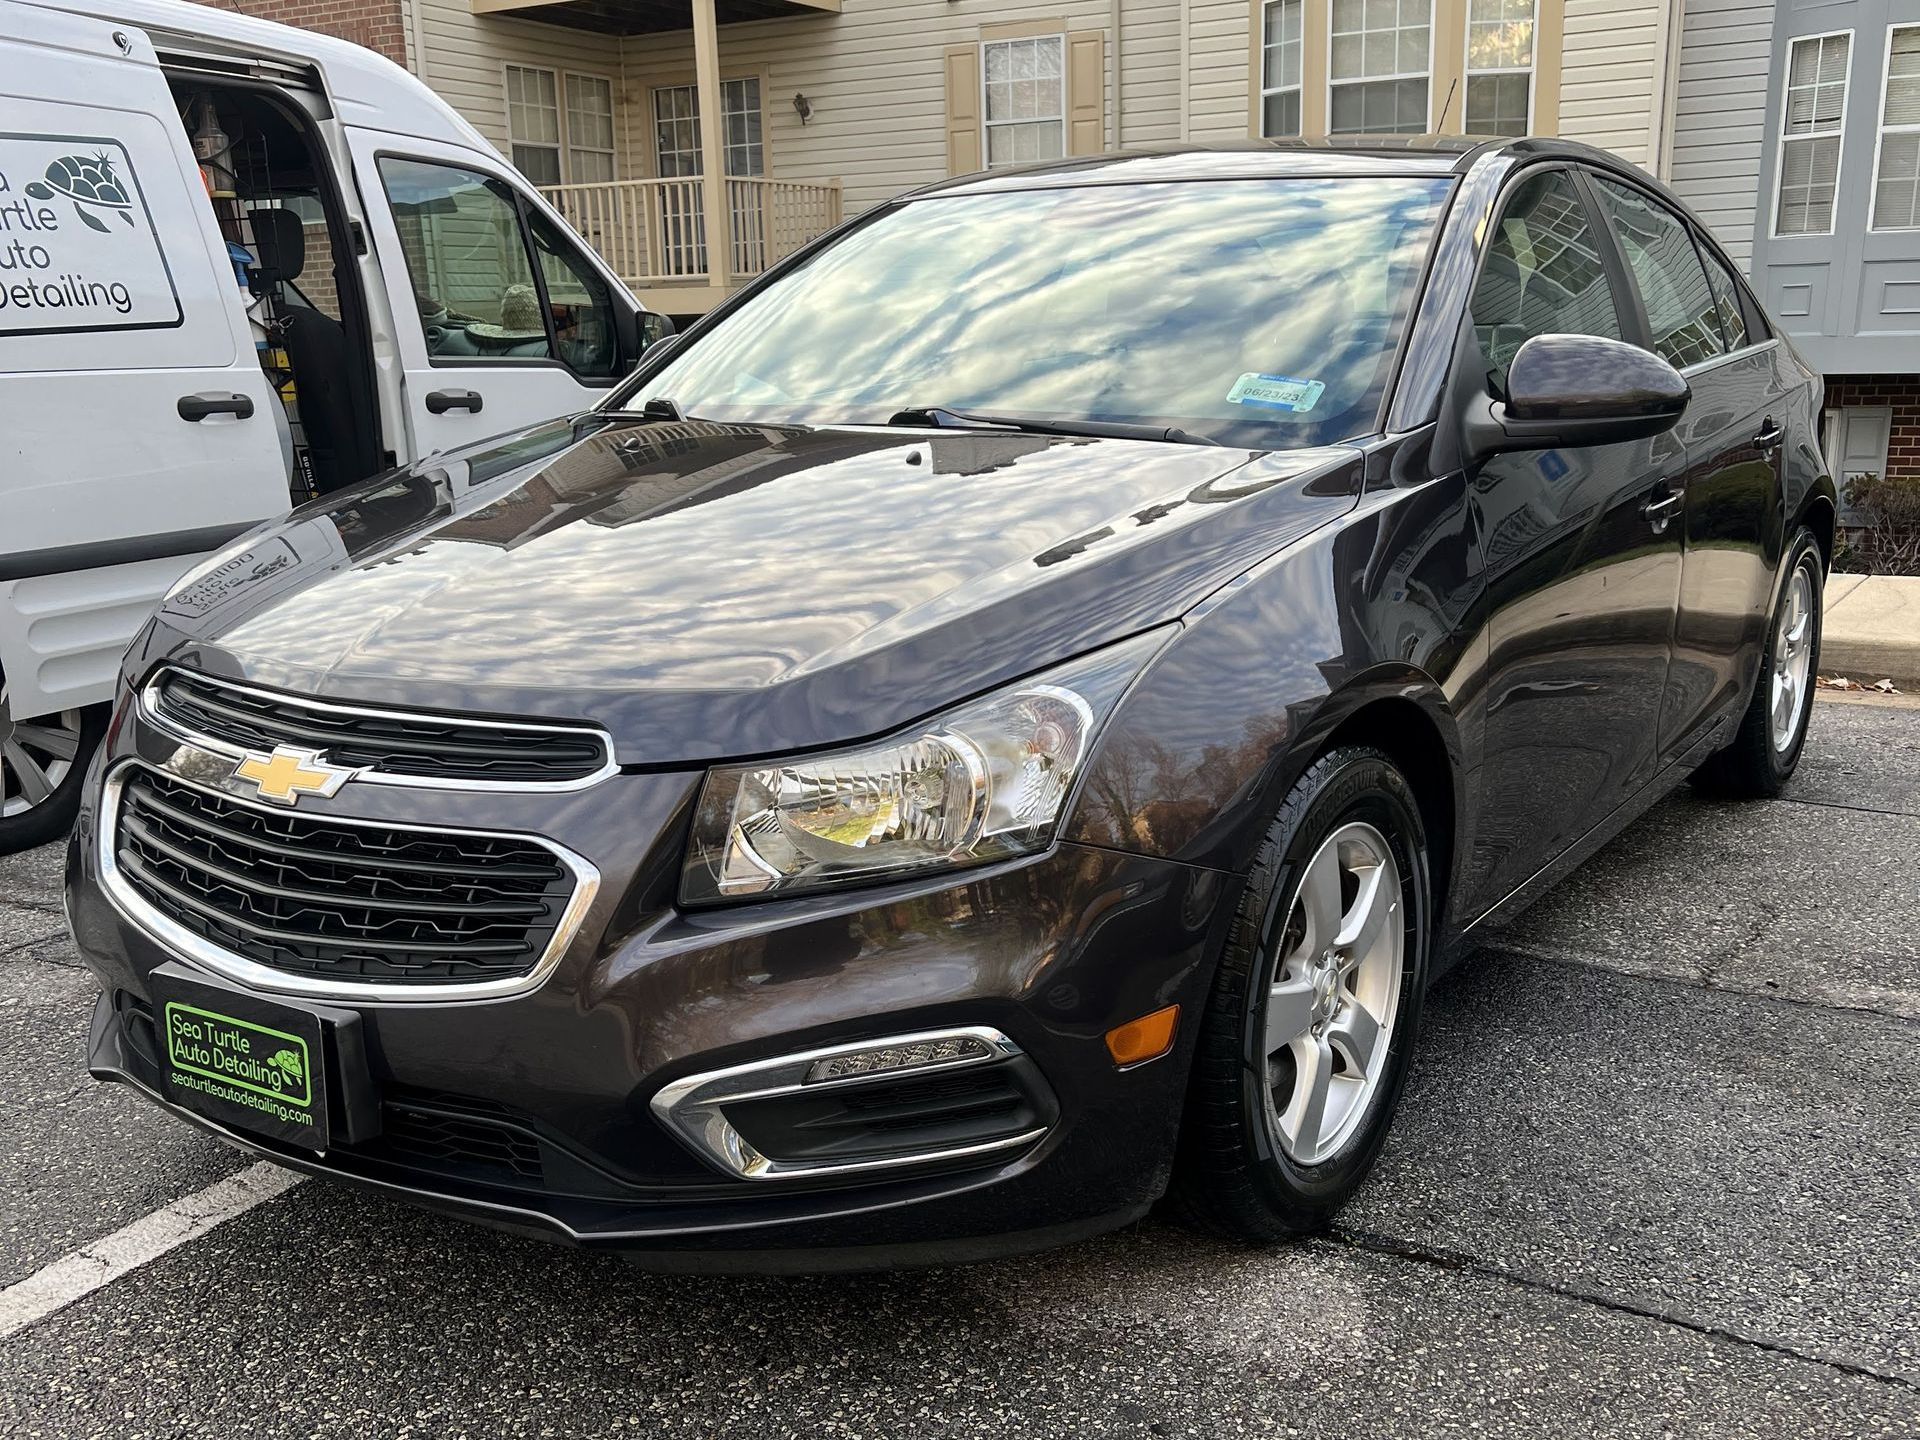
[(802, 107)]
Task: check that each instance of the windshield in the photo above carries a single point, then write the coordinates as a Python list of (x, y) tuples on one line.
[(1263, 313)]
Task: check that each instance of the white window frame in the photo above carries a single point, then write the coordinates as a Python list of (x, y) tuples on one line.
[(1780, 138), (1058, 37), (565, 143), (1433, 35), (1298, 88), (691, 87), (569, 144), (1531, 69), (559, 143), (1882, 129)]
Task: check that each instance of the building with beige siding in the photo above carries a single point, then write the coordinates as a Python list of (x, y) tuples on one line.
[(828, 106)]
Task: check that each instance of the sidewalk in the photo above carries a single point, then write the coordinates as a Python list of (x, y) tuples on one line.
[(1872, 629)]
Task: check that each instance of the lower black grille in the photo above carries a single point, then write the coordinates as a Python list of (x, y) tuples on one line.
[(343, 902), (456, 1144), (906, 1115), (419, 746)]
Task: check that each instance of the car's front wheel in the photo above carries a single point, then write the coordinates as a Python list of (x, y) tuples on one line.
[(1308, 1032)]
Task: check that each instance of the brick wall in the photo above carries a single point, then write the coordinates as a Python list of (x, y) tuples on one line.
[(1902, 394), (376, 24)]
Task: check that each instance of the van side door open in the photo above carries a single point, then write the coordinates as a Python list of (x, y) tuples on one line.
[(138, 428)]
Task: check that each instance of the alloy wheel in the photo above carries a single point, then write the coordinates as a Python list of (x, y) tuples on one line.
[(1792, 660), (1333, 993), (35, 756)]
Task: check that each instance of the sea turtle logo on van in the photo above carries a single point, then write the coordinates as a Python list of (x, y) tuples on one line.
[(86, 181)]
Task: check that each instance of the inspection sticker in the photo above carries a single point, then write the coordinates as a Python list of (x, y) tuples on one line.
[(1276, 392)]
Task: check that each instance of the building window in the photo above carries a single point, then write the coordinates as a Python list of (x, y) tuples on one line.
[(1896, 179), (546, 151), (740, 104), (1811, 124), (676, 128), (1382, 57), (1280, 67), (589, 128), (1499, 67), (1025, 101), (533, 123)]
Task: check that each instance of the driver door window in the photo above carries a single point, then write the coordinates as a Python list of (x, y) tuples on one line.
[(475, 288), (1543, 275), (467, 259)]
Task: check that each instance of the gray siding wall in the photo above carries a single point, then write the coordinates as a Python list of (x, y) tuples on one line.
[(1850, 298), (1720, 115)]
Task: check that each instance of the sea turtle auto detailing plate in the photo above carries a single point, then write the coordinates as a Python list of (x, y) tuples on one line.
[(253, 1064)]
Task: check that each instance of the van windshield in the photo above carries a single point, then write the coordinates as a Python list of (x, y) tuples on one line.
[(1263, 313)]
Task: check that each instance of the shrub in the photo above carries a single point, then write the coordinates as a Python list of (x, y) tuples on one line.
[(1882, 536)]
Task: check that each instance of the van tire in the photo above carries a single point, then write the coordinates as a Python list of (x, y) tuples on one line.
[(33, 747)]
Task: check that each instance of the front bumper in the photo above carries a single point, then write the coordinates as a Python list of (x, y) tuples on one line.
[(534, 1111)]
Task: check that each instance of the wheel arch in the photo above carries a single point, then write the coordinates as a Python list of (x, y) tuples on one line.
[(1820, 514), (1403, 713)]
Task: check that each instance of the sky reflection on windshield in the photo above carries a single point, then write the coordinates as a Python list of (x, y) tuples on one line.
[(1255, 312)]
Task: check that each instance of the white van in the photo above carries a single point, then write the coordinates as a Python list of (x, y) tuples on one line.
[(241, 265)]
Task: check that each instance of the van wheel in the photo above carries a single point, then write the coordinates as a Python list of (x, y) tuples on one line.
[(43, 764), (1308, 1032)]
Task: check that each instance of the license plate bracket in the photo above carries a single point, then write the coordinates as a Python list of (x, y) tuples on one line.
[(287, 1071)]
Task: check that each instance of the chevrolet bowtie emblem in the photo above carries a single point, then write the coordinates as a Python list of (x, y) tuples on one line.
[(287, 774)]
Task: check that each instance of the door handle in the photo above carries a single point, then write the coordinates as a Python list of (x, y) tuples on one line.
[(1769, 437), (1660, 510), (198, 407), (439, 402)]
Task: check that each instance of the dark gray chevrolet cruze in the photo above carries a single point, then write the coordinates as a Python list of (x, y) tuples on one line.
[(1000, 723)]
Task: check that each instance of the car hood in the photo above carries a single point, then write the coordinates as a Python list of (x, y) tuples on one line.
[(705, 590)]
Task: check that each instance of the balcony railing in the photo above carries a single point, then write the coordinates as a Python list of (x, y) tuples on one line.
[(654, 231)]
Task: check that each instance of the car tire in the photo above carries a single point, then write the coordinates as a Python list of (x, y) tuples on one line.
[(1766, 748), (1255, 1163), (43, 766)]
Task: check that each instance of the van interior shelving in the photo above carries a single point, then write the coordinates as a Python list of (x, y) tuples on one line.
[(272, 194)]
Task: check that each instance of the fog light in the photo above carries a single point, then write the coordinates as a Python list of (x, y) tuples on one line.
[(947, 1050), (1147, 1038)]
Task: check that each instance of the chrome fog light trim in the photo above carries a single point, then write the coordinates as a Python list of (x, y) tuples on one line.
[(693, 1108)]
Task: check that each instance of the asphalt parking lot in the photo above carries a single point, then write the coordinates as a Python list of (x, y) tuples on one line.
[(1657, 1174)]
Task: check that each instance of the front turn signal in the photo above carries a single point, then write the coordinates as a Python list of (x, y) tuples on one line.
[(1147, 1038)]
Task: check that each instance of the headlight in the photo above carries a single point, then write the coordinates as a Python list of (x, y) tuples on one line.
[(981, 782)]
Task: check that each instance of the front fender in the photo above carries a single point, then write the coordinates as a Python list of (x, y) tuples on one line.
[(1380, 609)]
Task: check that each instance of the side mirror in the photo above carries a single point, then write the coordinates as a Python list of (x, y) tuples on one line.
[(1571, 390), (654, 327), (659, 347)]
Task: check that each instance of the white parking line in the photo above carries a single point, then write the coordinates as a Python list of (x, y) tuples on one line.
[(79, 1274)]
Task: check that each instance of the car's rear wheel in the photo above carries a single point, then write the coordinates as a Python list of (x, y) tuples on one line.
[(1307, 1035), (1766, 749), (43, 762)]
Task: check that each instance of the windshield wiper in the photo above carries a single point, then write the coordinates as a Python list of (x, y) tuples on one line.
[(935, 417)]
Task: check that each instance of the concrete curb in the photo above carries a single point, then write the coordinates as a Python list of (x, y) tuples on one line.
[(1871, 629)]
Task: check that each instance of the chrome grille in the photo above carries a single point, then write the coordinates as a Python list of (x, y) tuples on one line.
[(338, 902), (405, 745)]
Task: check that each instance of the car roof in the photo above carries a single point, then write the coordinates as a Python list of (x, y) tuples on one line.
[(1428, 155)]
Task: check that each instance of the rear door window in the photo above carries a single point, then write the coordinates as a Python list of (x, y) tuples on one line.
[(1543, 274), (1667, 270), (1726, 302)]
